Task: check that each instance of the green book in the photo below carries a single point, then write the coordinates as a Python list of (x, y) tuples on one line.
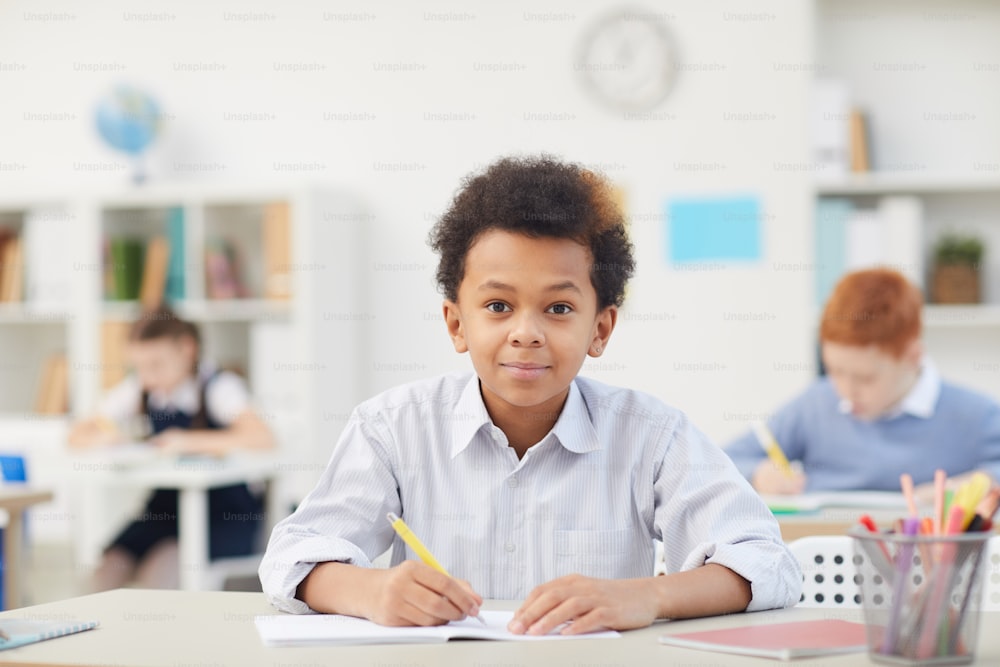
[(126, 268)]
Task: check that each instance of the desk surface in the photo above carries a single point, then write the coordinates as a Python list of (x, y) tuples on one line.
[(210, 628), (15, 497), (143, 466)]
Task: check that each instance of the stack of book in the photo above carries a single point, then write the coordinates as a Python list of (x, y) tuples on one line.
[(850, 238), (840, 131)]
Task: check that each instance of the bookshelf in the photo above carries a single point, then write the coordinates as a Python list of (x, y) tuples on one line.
[(925, 75), (297, 252)]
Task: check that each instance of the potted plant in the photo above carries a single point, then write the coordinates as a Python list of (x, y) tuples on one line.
[(956, 269)]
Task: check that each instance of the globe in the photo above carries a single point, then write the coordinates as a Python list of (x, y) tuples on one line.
[(128, 120)]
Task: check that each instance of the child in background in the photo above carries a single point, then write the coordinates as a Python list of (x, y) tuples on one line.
[(189, 408), (525, 480), (882, 410)]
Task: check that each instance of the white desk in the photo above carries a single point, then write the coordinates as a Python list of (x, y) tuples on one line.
[(14, 500), (170, 628), (193, 478)]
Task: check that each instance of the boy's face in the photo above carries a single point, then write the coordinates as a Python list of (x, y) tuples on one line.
[(870, 378), (527, 314), (162, 364)]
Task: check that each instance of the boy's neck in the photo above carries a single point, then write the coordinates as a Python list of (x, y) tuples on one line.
[(524, 426)]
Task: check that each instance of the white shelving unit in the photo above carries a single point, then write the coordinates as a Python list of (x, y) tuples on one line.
[(301, 364), (917, 70)]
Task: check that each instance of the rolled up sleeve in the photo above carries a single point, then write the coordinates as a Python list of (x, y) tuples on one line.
[(341, 520), (706, 512)]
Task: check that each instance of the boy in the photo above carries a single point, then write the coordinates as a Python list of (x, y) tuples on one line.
[(882, 410), (524, 479)]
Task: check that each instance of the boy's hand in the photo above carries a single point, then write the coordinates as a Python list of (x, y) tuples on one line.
[(769, 478), (591, 604), (413, 593)]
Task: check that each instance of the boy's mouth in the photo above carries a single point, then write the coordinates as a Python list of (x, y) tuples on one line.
[(522, 370)]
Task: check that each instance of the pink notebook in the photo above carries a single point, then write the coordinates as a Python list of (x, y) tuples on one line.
[(783, 641)]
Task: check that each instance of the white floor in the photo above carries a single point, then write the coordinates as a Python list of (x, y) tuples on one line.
[(51, 573)]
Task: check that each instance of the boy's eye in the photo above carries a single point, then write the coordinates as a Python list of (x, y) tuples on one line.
[(561, 309), (497, 307)]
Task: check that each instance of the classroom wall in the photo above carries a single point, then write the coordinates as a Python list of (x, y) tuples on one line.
[(396, 102), (927, 72)]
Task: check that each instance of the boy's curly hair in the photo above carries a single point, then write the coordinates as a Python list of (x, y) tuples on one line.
[(539, 197)]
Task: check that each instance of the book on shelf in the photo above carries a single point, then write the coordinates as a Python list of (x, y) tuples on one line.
[(53, 389), (154, 273), (48, 258), (850, 238), (860, 145), (831, 109), (277, 251), (12, 272), (175, 267), (126, 258), (222, 271)]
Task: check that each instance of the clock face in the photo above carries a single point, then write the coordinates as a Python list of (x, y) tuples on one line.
[(627, 60)]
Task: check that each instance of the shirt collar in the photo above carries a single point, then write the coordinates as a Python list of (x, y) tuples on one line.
[(919, 401), (186, 396), (574, 429)]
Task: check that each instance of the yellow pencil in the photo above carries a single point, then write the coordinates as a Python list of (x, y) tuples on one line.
[(770, 445), (418, 548)]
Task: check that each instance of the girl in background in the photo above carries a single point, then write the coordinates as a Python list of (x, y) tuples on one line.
[(189, 407)]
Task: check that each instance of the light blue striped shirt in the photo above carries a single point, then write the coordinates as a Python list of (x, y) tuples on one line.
[(618, 470)]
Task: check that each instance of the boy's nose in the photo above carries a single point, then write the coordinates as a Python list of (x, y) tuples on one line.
[(526, 332)]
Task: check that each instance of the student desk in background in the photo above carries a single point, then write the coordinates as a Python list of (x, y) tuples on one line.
[(193, 477), (140, 628), (832, 512), (14, 499)]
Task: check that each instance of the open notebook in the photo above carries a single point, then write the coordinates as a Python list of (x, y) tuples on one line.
[(814, 502), (331, 629), (16, 632)]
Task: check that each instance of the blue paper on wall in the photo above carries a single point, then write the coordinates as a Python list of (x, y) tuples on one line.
[(713, 229)]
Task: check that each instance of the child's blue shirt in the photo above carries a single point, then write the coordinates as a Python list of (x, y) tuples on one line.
[(937, 425)]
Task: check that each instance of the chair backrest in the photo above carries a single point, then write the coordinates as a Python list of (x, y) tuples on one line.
[(829, 574), (991, 575), (832, 572)]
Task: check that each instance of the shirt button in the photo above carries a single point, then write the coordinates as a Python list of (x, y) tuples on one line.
[(512, 482), (509, 547)]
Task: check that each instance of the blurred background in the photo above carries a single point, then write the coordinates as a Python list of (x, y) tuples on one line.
[(273, 170)]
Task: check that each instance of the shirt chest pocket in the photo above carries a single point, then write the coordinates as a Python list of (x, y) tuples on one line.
[(593, 553)]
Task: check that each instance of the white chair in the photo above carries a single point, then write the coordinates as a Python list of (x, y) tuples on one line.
[(829, 575), (832, 573), (991, 575)]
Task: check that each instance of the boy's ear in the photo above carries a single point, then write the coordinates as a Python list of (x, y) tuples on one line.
[(187, 346), (914, 352), (603, 326), (453, 320)]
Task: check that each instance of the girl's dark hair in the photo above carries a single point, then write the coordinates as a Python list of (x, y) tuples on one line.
[(538, 197), (162, 322)]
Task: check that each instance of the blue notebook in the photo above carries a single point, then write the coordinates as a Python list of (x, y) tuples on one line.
[(16, 632)]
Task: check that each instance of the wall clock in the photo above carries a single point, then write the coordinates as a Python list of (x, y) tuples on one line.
[(627, 59)]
